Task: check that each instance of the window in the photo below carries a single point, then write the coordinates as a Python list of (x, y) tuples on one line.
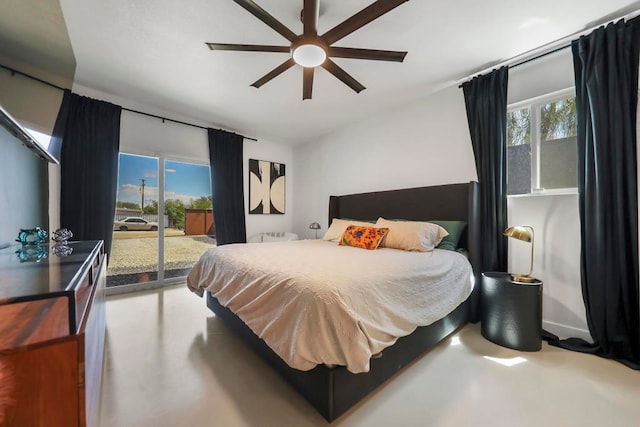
[(541, 145)]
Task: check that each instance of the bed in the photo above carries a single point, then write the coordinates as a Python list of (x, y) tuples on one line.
[(333, 388)]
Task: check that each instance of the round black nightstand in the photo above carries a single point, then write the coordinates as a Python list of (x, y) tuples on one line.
[(511, 312)]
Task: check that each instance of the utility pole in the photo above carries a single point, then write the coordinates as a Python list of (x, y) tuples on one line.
[(142, 180)]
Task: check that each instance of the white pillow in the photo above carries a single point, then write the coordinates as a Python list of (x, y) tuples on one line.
[(338, 226), (411, 235)]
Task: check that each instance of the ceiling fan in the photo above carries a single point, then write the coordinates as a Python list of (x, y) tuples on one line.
[(311, 50)]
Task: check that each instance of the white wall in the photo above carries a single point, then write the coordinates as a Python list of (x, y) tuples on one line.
[(556, 258), (426, 143), (273, 152), (150, 136)]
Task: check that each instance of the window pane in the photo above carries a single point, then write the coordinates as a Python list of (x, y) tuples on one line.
[(558, 145), (519, 127), (558, 120), (519, 151), (190, 229), (134, 251), (559, 163)]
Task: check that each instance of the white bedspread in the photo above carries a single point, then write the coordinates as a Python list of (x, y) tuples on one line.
[(315, 302)]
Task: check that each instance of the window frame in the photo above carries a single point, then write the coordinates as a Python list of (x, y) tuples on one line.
[(534, 105), (161, 281)]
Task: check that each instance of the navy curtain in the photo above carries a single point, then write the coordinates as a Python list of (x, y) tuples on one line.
[(486, 102), (606, 73), (87, 136), (225, 156)]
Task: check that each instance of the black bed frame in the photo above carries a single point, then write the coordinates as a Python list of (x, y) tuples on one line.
[(332, 391)]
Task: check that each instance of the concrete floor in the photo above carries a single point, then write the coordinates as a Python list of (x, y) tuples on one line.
[(170, 362)]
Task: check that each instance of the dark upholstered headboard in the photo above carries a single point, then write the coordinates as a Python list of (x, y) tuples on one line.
[(456, 202)]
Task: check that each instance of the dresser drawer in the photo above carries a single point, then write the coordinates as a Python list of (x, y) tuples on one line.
[(32, 322)]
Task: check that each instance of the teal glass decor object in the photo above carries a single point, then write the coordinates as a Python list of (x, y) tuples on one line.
[(32, 236), (32, 253)]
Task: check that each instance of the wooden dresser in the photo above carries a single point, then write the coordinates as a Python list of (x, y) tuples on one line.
[(52, 329)]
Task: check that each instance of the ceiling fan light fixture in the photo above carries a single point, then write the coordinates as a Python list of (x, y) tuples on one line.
[(309, 55)]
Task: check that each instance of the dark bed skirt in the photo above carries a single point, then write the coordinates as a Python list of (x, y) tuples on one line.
[(333, 391)]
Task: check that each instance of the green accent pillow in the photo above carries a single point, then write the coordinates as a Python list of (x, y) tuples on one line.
[(455, 229), (371, 221)]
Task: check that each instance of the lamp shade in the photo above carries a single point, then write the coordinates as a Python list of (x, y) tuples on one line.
[(315, 226), (524, 233), (520, 232)]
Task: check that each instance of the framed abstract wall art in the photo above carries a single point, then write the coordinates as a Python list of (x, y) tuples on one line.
[(266, 187)]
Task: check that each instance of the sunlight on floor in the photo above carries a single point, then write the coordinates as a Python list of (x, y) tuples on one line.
[(507, 361)]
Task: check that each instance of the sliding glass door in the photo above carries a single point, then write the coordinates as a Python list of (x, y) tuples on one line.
[(163, 221), (187, 202), (134, 251)]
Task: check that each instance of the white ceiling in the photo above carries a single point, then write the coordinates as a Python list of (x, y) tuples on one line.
[(33, 38), (153, 52)]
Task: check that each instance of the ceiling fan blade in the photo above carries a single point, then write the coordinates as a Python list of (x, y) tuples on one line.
[(371, 54), (265, 17), (310, 12), (274, 73), (360, 19), (307, 82), (248, 47), (342, 75)]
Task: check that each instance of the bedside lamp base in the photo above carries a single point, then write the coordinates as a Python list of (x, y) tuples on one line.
[(523, 278)]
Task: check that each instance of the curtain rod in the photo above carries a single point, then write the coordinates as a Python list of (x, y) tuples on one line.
[(542, 55), (525, 61), (628, 17), (13, 71)]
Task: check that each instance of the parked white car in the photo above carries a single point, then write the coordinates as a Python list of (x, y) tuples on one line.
[(133, 223)]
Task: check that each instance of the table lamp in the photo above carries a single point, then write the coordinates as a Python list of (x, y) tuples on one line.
[(524, 233), (315, 226)]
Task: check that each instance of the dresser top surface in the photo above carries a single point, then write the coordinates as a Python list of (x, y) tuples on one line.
[(32, 272)]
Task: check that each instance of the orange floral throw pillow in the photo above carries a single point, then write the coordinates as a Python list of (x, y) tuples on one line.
[(363, 237)]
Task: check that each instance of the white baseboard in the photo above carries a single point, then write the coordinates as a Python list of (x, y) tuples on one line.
[(137, 287), (564, 331)]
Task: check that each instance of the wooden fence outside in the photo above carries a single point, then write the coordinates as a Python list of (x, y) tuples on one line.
[(199, 222)]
